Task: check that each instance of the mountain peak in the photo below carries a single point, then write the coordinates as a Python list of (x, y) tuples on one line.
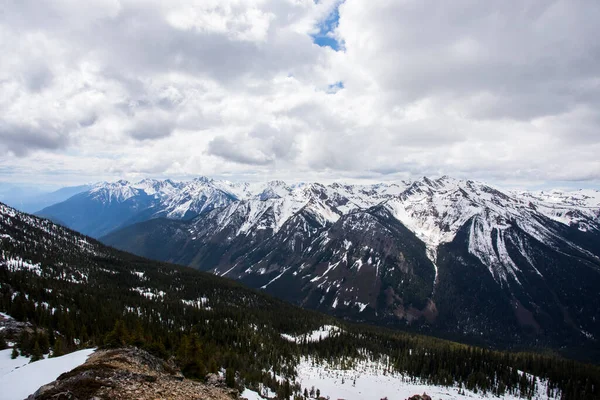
[(204, 179)]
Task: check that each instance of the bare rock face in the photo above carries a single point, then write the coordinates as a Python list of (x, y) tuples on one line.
[(423, 396), (215, 380), (12, 328), (129, 373)]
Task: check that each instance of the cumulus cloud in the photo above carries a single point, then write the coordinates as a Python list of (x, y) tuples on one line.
[(151, 128), (262, 146), (237, 152), (506, 91), (20, 139)]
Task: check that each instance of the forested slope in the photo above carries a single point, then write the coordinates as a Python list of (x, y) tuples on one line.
[(61, 281)]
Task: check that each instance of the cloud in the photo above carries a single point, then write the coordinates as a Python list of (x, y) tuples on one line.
[(262, 146), (300, 89), (37, 78), (150, 127), (237, 152), (20, 140), (523, 61)]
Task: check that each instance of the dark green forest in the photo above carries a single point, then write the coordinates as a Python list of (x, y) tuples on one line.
[(92, 295)]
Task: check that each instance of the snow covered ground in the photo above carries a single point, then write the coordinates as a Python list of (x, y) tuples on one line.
[(251, 395), (6, 316), (19, 378), (368, 380), (319, 334), (7, 364)]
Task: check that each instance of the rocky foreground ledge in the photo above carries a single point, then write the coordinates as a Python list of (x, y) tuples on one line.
[(130, 373)]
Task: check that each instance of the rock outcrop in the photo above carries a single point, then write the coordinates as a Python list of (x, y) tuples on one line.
[(424, 396), (11, 328), (129, 373)]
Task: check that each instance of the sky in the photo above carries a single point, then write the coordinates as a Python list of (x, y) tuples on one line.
[(500, 91)]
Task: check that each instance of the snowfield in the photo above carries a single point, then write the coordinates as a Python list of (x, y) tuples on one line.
[(317, 335), (369, 380), (7, 364), (19, 378), (251, 395)]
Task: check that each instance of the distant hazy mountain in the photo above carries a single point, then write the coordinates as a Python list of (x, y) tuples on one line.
[(109, 206), (28, 199)]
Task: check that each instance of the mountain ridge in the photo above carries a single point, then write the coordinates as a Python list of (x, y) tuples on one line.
[(87, 294), (303, 242), (343, 249)]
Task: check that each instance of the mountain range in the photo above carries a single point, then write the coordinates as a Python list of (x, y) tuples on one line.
[(457, 258), (69, 291), (62, 290)]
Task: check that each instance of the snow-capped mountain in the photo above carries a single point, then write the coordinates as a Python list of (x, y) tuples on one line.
[(436, 210), (447, 255), (112, 205), (108, 206), (578, 208), (364, 264)]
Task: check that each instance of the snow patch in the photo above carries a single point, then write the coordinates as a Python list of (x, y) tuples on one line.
[(18, 264), (317, 335), (19, 382), (149, 293), (374, 380)]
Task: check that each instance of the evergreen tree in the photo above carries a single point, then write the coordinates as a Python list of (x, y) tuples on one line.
[(43, 342), (230, 377), (118, 337), (36, 353), (58, 348), (137, 338)]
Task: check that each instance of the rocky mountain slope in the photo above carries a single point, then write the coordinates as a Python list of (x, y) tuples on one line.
[(108, 206), (111, 205), (78, 293), (458, 258)]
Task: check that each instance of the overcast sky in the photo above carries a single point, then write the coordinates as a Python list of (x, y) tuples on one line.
[(502, 91)]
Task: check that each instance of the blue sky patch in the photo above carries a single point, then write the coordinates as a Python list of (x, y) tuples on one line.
[(335, 87), (324, 37)]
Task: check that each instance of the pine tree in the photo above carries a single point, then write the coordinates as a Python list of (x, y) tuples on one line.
[(230, 377), (44, 343), (118, 337), (36, 353), (15, 353), (137, 338), (287, 390), (57, 349)]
